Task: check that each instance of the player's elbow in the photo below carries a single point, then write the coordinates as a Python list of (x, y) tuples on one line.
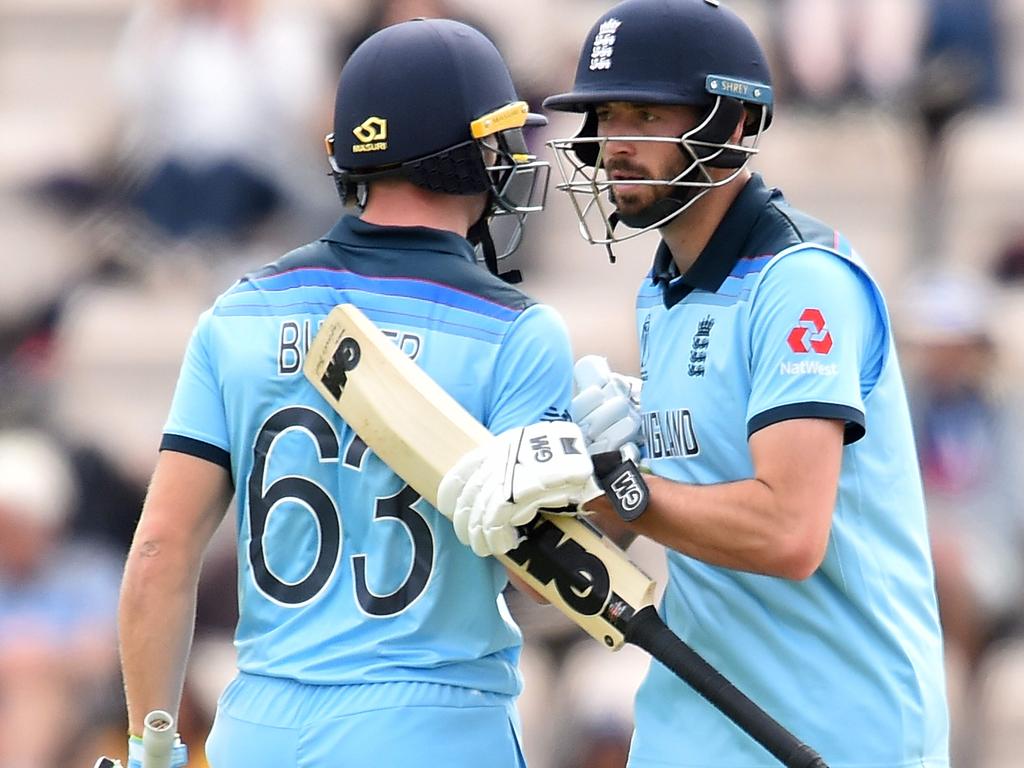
[(800, 560), (799, 556)]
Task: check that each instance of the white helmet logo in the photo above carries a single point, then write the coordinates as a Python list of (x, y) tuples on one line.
[(604, 45)]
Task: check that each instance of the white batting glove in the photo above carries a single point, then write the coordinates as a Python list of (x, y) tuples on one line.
[(606, 406), (503, 484)]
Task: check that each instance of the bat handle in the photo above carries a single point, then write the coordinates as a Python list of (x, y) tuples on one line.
[(158, 739), (646, 630)]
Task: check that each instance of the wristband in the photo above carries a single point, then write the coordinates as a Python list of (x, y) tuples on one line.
[(622, 483)]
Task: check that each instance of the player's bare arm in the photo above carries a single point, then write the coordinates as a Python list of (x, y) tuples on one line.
[(186, 500), (776, 523)]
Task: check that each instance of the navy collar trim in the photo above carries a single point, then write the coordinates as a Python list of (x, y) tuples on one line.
[(351, 230), (720, 255)]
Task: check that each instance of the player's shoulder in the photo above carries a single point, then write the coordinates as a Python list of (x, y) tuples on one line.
[(544, 322), (782, 227), (473, 278), (315, 255), (791, 241), (803, 256)]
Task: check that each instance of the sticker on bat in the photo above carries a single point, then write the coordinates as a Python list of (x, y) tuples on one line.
[(548, 555), (345, 358)]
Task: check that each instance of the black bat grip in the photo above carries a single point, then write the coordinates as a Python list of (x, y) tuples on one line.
[(646, 630)]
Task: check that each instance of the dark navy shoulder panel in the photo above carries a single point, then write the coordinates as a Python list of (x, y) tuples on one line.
[(419, 256), (781, 226)]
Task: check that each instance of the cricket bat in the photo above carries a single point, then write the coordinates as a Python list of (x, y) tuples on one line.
[(420, 431)]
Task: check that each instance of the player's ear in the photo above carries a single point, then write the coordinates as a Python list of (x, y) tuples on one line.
[(739, 129)]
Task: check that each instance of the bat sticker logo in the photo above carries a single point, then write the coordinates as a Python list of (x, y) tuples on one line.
[(345, 358), (581, 578)]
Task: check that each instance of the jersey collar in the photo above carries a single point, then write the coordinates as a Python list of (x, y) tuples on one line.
[(351, 230), (720, 255)]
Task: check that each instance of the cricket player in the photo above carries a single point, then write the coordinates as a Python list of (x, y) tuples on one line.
[(785, 485), (368, 635)]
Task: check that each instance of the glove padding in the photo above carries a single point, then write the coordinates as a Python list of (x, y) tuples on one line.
[(606, 406), (179, 753), (502, 484)]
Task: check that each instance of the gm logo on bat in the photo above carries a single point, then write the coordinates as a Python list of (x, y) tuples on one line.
[(580, 577), (345, 358)]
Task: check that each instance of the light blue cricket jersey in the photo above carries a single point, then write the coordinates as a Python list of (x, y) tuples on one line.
[(345, 574), (778, 320)]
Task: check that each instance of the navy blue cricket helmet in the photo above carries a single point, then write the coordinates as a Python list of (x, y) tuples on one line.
[(432, 101), (696, 53)]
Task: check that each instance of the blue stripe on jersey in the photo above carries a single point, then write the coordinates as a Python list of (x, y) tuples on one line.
[(419, 288), (735, 288), (377, 306)]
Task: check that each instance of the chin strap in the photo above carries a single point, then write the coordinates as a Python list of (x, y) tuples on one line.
[(480, 234), (613, 222)]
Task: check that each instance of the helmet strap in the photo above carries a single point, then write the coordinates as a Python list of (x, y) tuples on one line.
[(724, 117), (480, 234)]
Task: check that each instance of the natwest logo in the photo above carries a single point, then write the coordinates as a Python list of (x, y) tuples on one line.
[(810, 334)]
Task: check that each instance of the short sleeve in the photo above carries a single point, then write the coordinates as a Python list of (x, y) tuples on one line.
[(533, 373), (817, 342), (197, 424)]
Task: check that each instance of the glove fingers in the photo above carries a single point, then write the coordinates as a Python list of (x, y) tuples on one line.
[(591, 370), (585, 402), (624, 431), (606, 414), (472, 500), (566, 477), (454, 481), (524, 514), (500, 540)]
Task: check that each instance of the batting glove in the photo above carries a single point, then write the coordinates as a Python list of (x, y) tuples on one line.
[(502, 484), (606, 407)]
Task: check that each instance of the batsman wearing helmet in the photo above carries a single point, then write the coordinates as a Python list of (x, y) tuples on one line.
[(368, 635), (785, 484), (771, 412)]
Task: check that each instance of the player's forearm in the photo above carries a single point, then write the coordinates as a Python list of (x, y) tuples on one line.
[(602, 515), (745, 525), (156, 620)]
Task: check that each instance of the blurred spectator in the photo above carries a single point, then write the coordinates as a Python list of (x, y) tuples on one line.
[(1009, 265), (214, 91), (960, 62), (58, 604), (109, 503), (970, 453), (832, 51), (384, 13), (959, 71)]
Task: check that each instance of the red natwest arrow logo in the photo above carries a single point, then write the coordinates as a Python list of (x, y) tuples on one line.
[(810, 334)]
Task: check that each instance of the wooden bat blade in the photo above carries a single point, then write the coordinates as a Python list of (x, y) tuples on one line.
[(420, 431)]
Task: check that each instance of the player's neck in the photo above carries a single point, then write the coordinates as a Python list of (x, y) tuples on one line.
[(401, 204), (689, 233)]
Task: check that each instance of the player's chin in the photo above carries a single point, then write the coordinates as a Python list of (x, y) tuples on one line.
[(630, 199)]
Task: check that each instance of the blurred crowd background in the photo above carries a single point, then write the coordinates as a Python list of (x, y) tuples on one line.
[(152, 151)]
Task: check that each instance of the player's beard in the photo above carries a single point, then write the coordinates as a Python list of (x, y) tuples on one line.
[(634, 199)]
